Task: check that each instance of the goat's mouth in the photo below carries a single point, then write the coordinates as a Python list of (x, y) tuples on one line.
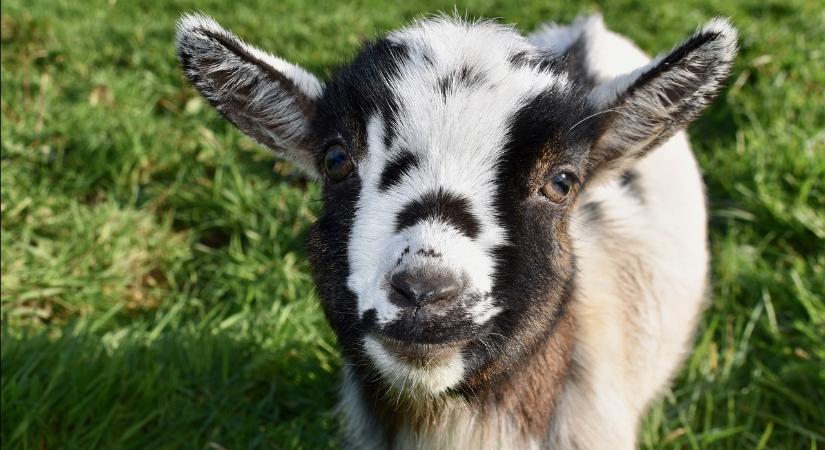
[(421, 354)]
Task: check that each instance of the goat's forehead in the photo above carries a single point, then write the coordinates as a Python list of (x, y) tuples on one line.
[(479, 53), (443, 83), (447, 42)]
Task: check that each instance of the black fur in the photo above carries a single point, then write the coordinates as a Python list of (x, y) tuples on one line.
[(202, 50), (519, 59), (463, 78), (428, 253), (574, 62), (222, 78), (446, 206), (533, 280), (425, 327), (682, 83), (539, 59), (397, 167), (326, 248), (355, 93)]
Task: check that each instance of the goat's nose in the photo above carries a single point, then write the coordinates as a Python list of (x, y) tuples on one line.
[(420, 289)]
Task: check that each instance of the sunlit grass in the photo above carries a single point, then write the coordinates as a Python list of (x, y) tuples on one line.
[(155, 292)]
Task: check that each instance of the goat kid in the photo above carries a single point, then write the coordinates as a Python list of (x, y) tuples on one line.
[(512, 246)]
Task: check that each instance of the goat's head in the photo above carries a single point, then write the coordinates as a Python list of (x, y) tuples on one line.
[(451, 155)]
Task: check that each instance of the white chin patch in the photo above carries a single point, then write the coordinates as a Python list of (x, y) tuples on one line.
[(415, 381)]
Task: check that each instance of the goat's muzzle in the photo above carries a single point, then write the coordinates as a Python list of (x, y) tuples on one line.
[(434, 308)]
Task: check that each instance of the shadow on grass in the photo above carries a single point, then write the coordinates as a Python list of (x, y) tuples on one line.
[(182, 389)]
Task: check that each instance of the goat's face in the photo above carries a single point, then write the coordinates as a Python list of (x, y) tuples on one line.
[(447, 190), (451, 155)]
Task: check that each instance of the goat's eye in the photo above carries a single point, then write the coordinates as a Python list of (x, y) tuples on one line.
[(337, 162), (557, 189)]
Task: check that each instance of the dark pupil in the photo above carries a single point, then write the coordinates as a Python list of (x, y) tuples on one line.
[(563, 182), (337, 162), (334, 159)]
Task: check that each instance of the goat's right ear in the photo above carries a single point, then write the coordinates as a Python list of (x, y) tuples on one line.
[(647, 106), (266, 97)]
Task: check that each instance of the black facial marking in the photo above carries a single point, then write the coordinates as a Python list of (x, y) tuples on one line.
[(390, 112), (370, 319), (630, 181), (358, 92), (534, 271), (327, 250), (427, 58), (440, 205), (430, 325), (443, 85), (544, 127), (469, 77), (396, 168), (401, 258)]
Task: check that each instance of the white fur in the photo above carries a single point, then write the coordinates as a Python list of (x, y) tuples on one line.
[(458, 143), (459, 427), (653, 255), (413, 381), (358, 424), (608, 54)]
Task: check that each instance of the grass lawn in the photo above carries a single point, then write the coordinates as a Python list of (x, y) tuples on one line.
[(155, 293)]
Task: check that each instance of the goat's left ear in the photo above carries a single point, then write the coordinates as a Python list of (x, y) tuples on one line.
[(266, 97), (650, 104)]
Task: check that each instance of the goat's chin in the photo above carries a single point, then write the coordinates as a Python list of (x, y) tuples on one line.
[(416, 378)]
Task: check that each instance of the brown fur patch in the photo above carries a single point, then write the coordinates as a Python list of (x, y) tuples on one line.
[(526, 395), (530, 395)]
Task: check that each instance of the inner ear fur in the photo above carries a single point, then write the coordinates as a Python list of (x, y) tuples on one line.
[(266, 97)]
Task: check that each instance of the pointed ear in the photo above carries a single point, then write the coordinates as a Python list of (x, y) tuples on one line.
[(650, 104), (266, 97)]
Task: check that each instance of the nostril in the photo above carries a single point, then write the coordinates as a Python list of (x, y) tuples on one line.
[(422, 288), (403, 285)]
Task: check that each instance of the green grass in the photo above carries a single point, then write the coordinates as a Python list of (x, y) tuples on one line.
[(154, 287)]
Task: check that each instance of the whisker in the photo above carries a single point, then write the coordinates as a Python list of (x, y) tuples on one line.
[(616, 110)]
